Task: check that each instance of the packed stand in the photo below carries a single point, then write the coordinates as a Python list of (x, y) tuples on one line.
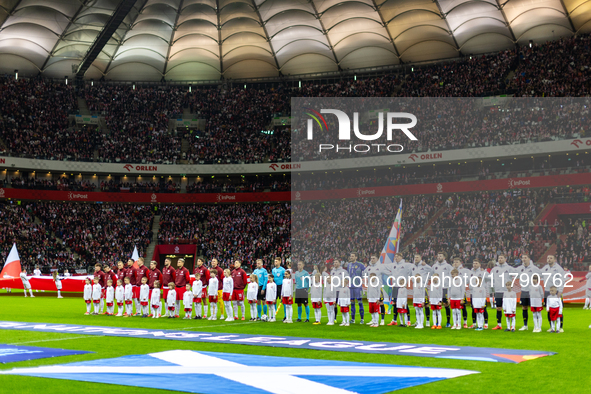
[(34, 121), (138, 123), (36, 246), (140, 187), (554, 69), (64, 183), (325, 229), (98, 233), (229, 232)]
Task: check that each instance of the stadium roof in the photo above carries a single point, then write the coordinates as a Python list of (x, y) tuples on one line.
[(206, 39)]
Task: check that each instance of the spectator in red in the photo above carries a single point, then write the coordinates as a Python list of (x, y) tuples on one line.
[(240, 281), (182, 278)]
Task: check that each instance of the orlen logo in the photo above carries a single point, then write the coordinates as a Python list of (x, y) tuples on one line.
[(130, 167), (153, 197), (427, 156), (513, 183), (439, 188), (274, 167), (345, 130), (72, 196), (579, 143), (366, 192), (226, 197)]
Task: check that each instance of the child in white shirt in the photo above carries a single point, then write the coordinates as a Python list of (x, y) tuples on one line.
[(128, 295), (227, 289), (330, 297), (26, 283), (58, 284), (287, 296), (402, 302), (110, 298), (316, 297), (251, 296), (197, 296), (271, 296), (509, 306), (188, 301), (345, 302), (554, 308), (171, 301), (212, 293), (373, 298), (435, 291), (144, 297), (87, 295), (418, 299), (536, 299), (478, 299), (457, 292), (155, 300), (120, 297), (96, 296)]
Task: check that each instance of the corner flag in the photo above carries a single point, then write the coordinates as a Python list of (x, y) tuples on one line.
[(393, 242), (12, 267)]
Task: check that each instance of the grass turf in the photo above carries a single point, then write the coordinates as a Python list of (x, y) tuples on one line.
[(564, 372)]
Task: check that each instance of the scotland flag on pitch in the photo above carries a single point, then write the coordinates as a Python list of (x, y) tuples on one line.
[(208, 372), (393, 242)]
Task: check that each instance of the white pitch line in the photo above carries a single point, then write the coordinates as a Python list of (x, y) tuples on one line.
[(220, 325), (52, 340)]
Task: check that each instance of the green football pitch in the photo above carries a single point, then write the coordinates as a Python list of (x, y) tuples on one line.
[(565, 372)]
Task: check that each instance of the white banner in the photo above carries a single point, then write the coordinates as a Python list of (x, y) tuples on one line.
[(403, 158)]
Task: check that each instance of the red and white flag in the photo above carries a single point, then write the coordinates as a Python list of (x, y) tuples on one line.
[(135, 256), (12, 266)]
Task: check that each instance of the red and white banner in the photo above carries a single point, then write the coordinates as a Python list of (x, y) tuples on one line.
[(71, 284), (379, 191)]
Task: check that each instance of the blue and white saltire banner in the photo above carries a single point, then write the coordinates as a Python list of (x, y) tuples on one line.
[(334, 345), (393, 242), (209, 372), (391, 248), (15, 353)]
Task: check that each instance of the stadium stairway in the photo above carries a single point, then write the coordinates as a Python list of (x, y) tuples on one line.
[(82, 107), (542, 214), (426, 227), (551, 250), (155, 228)]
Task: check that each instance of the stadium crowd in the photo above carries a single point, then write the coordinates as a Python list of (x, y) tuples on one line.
[(34, 120), (228, 232), (97, 232)]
